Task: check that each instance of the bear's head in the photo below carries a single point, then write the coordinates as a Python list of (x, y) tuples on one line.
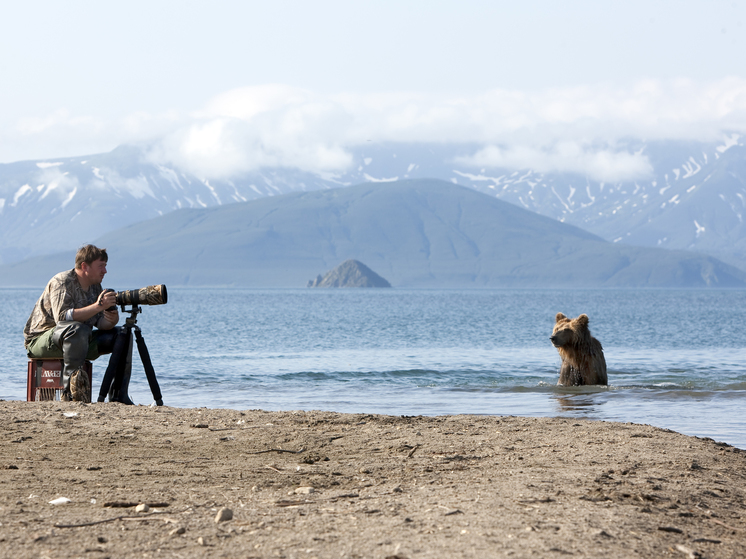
[(569, 331)]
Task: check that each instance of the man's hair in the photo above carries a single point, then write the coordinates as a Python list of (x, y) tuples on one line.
[(89, 254)]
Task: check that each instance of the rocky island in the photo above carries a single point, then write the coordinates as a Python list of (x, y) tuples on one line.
[(349, 273)]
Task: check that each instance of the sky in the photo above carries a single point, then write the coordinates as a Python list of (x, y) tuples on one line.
[(225, 86)]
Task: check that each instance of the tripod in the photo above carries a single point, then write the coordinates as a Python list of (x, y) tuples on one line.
[(120, 363)]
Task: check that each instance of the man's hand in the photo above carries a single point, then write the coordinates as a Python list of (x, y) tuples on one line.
[(108, 298), (109, 320)]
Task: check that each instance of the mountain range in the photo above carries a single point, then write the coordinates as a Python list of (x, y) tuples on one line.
[(693, 198), (416, 233)]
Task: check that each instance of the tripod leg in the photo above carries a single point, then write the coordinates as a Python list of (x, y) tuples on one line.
[(118, 391), (117, 355), (148, 366)]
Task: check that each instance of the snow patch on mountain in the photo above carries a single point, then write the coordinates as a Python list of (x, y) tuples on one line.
[(374, 179), (689, 167), (69, 198), (729, 142), (478, 178), (20, 192), (213, 192)]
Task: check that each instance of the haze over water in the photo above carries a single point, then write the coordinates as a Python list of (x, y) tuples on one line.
[(675, 357)]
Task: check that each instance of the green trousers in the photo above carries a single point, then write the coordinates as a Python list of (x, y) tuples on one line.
[(43, 347)]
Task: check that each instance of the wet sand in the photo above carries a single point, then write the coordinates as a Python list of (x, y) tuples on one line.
[(323, 484)]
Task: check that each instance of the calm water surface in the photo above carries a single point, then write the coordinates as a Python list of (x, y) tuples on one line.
[(676, 359)]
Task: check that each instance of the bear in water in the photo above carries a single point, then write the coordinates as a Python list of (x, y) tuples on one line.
[(582, 355)]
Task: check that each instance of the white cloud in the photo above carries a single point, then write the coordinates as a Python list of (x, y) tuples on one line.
[(56, 120), (247, 102), (254, 127), (575, 129), (567, 157)]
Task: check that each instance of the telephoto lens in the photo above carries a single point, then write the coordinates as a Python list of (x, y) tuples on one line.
[(151, 295)]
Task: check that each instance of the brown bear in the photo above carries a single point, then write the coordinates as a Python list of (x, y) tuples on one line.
[(582, 355)]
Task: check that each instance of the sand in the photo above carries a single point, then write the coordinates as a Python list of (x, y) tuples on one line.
[(322, 484)]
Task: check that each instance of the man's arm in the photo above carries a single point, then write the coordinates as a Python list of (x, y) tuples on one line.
[(105, 300)]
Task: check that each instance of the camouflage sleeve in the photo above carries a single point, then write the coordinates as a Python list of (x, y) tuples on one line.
[(60, 300)]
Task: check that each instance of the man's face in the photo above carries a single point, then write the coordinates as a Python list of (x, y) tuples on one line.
[(95, 271)]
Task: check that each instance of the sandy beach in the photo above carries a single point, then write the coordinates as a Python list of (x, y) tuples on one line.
[(323, 484)]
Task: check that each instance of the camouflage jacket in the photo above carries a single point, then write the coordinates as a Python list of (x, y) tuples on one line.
[(63, 293)]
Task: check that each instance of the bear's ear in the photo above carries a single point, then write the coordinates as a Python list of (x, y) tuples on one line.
[(582, 320), (560, 317)]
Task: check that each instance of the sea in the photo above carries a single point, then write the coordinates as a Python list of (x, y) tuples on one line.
[(676, 358)]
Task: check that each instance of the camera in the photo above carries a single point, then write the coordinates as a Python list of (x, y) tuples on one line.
[(151, 295)]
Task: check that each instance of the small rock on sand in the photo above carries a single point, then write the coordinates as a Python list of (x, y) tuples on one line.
[(223, 515), (304, 490), (60, 501)]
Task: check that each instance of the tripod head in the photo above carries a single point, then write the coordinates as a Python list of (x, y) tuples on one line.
[(131, 320)]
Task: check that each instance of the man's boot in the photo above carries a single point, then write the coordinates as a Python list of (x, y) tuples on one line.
[(80, 386), (73, 338)]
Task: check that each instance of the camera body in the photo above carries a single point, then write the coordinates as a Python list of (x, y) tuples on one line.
[(151, 295)]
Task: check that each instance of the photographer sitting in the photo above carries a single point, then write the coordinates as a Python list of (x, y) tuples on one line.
[(63, 320)]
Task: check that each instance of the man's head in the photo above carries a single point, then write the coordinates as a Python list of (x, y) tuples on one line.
[(88, 254), (90, 264)]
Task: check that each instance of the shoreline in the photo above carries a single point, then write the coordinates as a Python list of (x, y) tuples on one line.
[(326, 484)]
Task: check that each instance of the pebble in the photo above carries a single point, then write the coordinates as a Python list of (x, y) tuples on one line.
[(224, 514), (142, 507), (688, 552), (304, 490), (201, 540), (178, 531), (60, 501)]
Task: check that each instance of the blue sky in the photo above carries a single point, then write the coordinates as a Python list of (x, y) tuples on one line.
[(212, 80)]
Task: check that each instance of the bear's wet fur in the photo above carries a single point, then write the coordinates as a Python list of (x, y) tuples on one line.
[(582, 355)]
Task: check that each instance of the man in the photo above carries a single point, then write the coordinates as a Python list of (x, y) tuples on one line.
[(63, 320)]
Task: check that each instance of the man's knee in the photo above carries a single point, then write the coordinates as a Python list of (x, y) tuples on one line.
[(105, 339), (72, 336)]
